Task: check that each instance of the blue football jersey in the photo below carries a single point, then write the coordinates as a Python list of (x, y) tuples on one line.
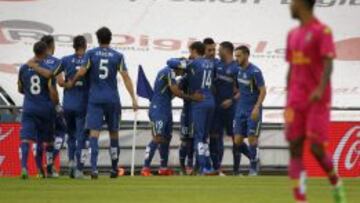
[(103, 63), (75, 98), (200, 73), (225, 79), (36, 90), (161, 100), (52, 62), (249, 80)]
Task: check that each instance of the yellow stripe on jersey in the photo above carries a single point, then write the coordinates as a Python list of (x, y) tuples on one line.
[(57, 70), (121, 66), (87, 66)]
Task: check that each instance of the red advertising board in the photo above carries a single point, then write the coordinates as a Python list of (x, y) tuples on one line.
[(9, 151), (344, 146)]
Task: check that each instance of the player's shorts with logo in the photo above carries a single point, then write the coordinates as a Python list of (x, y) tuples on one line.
[(311, 122), (244, 125), (97, 113), (161, 124)]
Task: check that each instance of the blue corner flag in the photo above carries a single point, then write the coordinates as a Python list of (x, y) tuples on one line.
[(143, 88)]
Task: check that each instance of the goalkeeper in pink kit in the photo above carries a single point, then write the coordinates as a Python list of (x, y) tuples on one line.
[(310, 52)]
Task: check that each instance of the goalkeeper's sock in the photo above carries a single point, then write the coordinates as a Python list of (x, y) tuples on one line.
[(94, 145), (114, 153), (149, 153)]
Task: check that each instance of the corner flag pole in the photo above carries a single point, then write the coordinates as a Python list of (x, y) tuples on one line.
[(134, 144)]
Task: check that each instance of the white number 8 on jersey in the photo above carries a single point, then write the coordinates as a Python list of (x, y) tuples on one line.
[(35, 87)]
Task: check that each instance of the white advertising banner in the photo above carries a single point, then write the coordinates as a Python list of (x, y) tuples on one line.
[(149, 32)]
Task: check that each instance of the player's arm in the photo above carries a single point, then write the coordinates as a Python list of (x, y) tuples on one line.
[(54, 95), (259, 82), (59, 74), (128, 82), (44, 72), (81, 72), (20, 84), (327, 51)]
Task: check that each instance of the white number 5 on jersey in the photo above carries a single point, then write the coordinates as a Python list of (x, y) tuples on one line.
[(104, 71)]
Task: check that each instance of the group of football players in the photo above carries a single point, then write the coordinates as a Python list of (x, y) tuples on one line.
[(221, 95)]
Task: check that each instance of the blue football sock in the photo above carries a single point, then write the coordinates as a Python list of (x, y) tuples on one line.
[(149, 153), (71, 142), (24, 154), (221, 150), (182, 153), (190, 153), (214, 152), (39, 157), (253, 156), (236, 159), (80, 149), (244, 149), (114, 153), (94, 146), (164, 154)]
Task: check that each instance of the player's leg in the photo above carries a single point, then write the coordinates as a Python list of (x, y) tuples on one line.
[(164, 148), (39, 152), (60, 131), (295, 134), (94, 119), (317, 133), (190, 156), (46, 128), (157, 125), (70, 119), (27, 134), (216, 129), (199, 116), (112, 118), (184, 133), (81, 136), (240, 129), (254, 127)]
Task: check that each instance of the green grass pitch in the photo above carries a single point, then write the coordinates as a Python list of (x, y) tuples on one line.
[(262, 189)]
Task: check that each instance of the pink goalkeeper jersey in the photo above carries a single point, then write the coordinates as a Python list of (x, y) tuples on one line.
[(307, 46)]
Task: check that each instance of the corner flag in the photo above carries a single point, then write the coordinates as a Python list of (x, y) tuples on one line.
[(143, 87)]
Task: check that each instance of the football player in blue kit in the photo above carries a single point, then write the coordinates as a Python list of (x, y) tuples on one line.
[(226, 71), (248, 116), (102, 64), (38, 115), (200, 73), (74, 104), (161, 116)]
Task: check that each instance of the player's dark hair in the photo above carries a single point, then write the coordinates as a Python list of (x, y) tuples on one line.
[(310, 3), (199, 47), (104, 35), (244, 49), (208, 41), (40, 48), (48, 40), (228, 46), (79, 42)]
